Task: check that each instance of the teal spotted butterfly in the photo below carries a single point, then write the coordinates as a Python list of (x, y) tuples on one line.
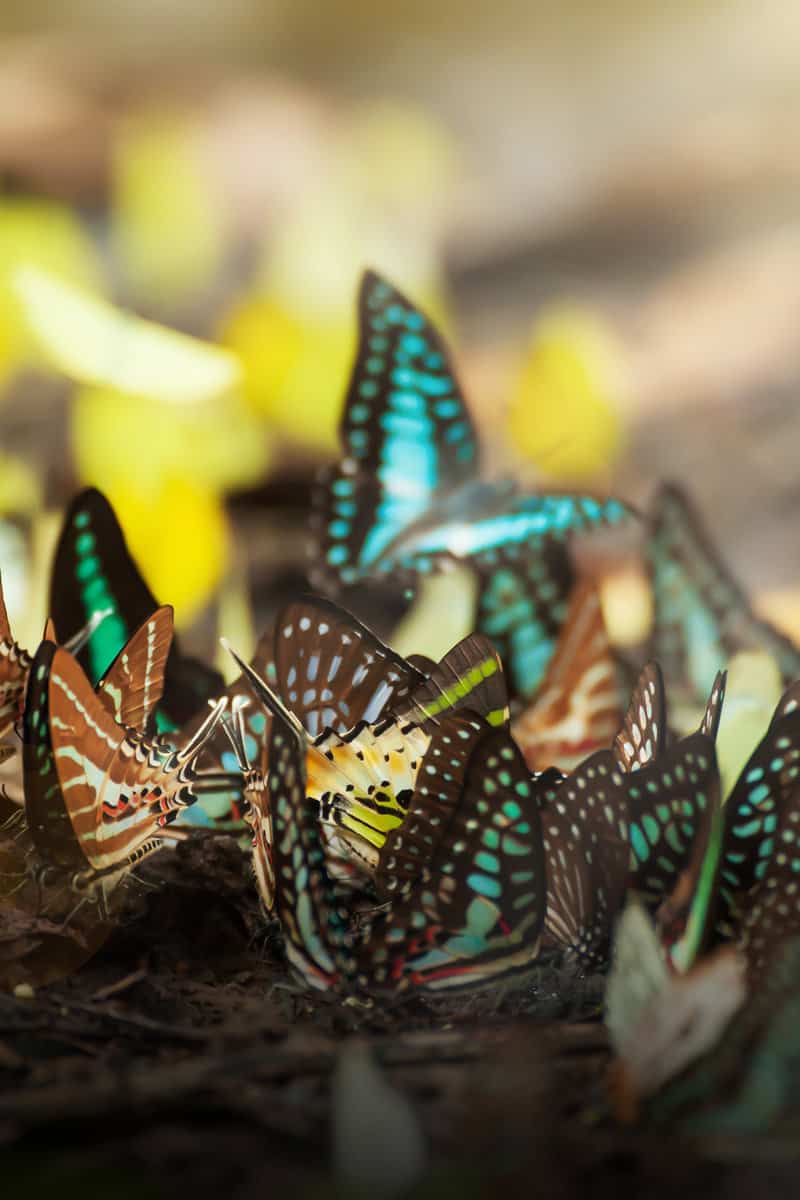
[(638, 817), (470, 909), (701, 616), (406, 493), (93, 571), (673, 814), (760, 868), (586, 834)]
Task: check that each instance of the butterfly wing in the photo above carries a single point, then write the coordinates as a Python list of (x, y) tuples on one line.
[(701, 615), (333, 672), (577, 709), (469, 676), (409, 848), (93, 570), (304, 896), (760, 853), (483, 517), (643, 736), (45, 810), (482, 910), (521, 607), (405, 434), (119, 789), (585, 832), (673, 811), (133, 684)]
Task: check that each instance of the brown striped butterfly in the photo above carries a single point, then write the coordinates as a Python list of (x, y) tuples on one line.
[(578, 707)]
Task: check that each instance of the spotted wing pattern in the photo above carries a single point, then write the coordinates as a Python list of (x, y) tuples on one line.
[(671, 810), (578, 707), (760, 871), (481, 913), (406, 854), (643, 736), (522, 605), (585, 832), (405, 434), (332, 671)]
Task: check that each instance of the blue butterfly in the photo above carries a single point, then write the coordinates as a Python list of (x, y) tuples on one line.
[(407, 493)]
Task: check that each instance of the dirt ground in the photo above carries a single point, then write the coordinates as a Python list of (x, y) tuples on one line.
[(181, 1058)]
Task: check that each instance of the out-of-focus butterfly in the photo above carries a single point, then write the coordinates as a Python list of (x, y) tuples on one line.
[(406, 493), (579, 707), (760, 867), (476, 908), (701, 616), (659, 1021), (98, 793), (93, 571), (673, 814), (747, 1085)]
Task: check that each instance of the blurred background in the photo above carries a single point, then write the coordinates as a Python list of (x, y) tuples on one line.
[(598, 201)]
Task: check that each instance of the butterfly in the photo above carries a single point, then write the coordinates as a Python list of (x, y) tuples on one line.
[(93, 571), (476, 912), (406, 493), (335, 674), (748, 1083), (364, 778), (361, 777), (659, 1021), (760, 856), (635, 816), (99, 794), (673, 807), (578, 708), (701, 616)]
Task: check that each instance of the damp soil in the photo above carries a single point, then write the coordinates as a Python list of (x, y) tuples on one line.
[(181, 1061)]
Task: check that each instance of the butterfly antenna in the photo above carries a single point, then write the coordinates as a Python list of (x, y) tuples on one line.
[(79, 639), (233, 726), (267, 697), (195, 745)]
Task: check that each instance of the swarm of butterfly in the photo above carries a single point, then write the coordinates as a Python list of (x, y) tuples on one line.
[(425, 828)]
